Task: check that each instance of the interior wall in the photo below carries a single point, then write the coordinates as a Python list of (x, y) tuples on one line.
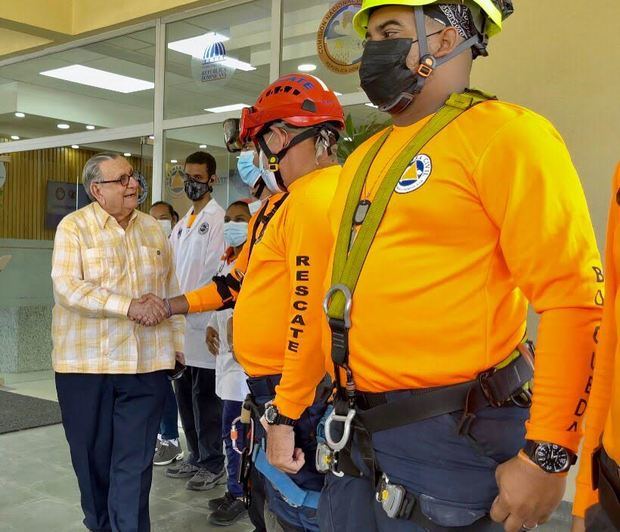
[(24, 195), (561, 60)]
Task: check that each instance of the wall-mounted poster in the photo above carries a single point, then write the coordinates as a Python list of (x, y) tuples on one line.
[(63, 199), (338, 45)]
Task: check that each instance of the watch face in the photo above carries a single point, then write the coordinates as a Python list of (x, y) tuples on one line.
[(552, 458), (271, 413)]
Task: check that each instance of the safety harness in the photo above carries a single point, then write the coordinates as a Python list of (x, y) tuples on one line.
[(367, 413), (253, 453)]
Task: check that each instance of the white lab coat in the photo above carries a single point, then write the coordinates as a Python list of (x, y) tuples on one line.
[(197, 251), (230, 379)]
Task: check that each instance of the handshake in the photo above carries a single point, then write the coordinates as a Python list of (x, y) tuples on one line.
[(149, 310)]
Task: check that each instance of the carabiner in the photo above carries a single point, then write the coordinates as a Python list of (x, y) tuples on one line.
[(234, 435), (346, 432)]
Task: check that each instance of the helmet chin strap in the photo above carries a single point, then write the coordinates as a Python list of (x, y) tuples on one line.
[(428, 62), (274, 159)]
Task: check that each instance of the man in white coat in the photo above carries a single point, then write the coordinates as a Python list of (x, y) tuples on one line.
[(198, 243)]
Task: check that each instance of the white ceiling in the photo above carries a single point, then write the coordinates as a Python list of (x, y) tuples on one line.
[(47, 101)]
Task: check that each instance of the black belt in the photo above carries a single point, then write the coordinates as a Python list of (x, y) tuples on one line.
[(606, 476), (496, 388)]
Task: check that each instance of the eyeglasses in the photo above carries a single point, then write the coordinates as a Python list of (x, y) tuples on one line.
[(123, 180)]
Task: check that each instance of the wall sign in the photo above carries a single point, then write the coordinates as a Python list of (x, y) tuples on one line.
[(174, 181), (338, 45)]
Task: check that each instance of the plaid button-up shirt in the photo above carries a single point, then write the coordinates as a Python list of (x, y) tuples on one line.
[(97, 268)]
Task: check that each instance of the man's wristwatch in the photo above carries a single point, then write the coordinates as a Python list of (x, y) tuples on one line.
[(550, 457), (273, 417)]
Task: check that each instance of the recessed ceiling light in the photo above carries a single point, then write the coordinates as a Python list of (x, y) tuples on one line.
[(93, 77), (20, 115), (126, 154), (90, 128), (174, 161), (203, 146), (75, 146), (152, 137), (307, 67), (14, 137), (63, 126), (196, 47), (226, 108)]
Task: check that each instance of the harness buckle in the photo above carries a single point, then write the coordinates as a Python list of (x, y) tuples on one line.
[(338, 445), (348, 301), (426, 67), (483, 379), (339, 326)]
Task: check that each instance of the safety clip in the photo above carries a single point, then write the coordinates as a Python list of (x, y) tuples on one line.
[(338, 445)]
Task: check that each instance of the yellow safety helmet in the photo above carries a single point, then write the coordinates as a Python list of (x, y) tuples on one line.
[(488, 14)]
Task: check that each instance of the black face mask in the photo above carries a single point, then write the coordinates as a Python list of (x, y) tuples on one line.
[(385, 77), (196, 190)]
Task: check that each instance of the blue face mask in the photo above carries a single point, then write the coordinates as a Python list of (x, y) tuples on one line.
[(235, 233), (248, 171)]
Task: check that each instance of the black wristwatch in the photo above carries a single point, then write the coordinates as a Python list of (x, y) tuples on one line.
[(273, 417), (550, 457)]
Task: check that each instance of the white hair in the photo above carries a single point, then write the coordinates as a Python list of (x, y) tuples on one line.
[(92, 171)]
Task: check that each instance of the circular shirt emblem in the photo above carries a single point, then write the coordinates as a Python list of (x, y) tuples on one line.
[(416, 174), (204, 227), (339, 46)]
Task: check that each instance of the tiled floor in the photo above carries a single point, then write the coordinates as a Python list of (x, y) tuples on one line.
[(39, 493), (38, 490)]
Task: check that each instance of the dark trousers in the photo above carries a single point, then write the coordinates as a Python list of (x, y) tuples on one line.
[(230, 411), (289, 517), (169, 426), (111, 424), (201, 416), (452, 476), (598, 521)]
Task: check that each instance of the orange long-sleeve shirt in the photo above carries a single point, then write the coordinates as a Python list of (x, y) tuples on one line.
[(278, 313), (603, 417), (208, 297), (489, 215)]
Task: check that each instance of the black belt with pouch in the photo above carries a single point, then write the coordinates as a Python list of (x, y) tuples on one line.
[(606, 478)]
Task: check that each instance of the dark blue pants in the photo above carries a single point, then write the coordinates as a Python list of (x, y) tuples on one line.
[(308, 478), (169, 426), (598, 521), (111, 424), (452, 476), (230, 411), (201, 416)]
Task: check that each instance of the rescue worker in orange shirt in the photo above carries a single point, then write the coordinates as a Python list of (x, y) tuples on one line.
[(600, 457), (277, 319), (448, 224)]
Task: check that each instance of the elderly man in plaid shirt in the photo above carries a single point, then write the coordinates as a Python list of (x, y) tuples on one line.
[(110, 262)]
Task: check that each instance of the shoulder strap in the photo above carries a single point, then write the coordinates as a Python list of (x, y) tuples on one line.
[(350, 252), (263, 220)]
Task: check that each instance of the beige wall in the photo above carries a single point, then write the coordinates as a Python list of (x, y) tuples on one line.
[(562, 59)]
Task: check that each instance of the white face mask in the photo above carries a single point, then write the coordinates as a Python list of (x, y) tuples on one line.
[(166, 226), (268, 176), (255, 207)]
